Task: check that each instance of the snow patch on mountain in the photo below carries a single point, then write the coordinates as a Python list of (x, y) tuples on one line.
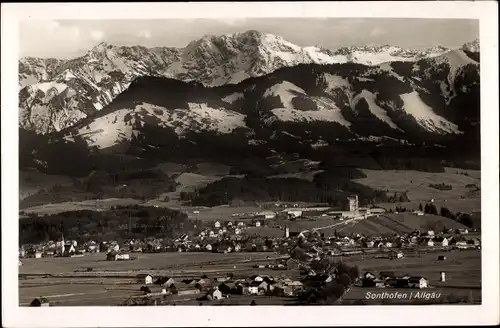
[(286, 91), (388, 68), (376, 110), (199, 117), (335, 82), (425, 116), (326, 112), (221, 120), (108, 130), (46, 86), (472, 46), (319, 57), (456, 59), (233, 97), (121, 125)]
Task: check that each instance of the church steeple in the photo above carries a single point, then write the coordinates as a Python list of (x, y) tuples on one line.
[(62, 242)]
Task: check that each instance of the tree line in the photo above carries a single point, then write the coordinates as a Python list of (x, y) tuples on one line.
[(114, 224)]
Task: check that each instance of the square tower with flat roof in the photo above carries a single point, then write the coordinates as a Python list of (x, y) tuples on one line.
[(353, 203)]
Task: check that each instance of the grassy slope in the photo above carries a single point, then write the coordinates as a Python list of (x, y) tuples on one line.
[(417, 183), (400, 223), (31, 182)]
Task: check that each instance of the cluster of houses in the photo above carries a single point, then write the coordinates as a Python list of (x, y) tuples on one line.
[(389, 279), (228, 243), (69, 248), (218, 288), (233, 236)]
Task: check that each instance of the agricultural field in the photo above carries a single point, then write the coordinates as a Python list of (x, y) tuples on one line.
[(64, 281), (93, 205), (145, 262), (372, 226), (462, 269), (114, 282), (32, 181), (417, 183), (397, 223)]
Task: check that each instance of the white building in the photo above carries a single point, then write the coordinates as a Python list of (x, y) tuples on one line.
[(418, 282), (145, 279), (293, 213), (287, 232), (122, 257), (266, 215), (353, 203)]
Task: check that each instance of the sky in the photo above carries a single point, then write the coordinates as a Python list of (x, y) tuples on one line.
[(72, 38)]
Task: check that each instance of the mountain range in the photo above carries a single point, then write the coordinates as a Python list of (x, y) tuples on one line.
[(55, 94), (246, 93)]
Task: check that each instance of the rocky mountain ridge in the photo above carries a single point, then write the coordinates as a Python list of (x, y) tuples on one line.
[(55, 94)]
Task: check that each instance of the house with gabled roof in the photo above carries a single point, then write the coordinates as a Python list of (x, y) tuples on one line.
[(418, 282), (40, 301), (144, 278)]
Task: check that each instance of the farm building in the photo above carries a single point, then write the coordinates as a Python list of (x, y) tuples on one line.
[(386, 275), (257, 278), (441, 241), (227, 288), (369, 275), (40, 301), (204, 281), (426, 242), (193, 291), (69, 249), (144, 278), (417, 282), (377, 211), (112, 256), (164, 281), (214, 294), (293, 213), (265, 215)]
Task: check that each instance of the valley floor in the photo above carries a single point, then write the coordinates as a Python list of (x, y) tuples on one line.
[(113, 283)]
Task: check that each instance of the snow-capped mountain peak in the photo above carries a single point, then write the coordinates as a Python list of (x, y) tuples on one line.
[(91, 82), (472, 46)]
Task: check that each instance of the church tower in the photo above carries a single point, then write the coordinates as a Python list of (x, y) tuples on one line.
[(62, 243)]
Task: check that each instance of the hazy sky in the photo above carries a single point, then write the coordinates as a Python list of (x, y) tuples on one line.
[(72, 38)]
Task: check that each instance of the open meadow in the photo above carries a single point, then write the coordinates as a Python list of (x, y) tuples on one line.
[(462, 269), (64, 281), (417, 183)]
